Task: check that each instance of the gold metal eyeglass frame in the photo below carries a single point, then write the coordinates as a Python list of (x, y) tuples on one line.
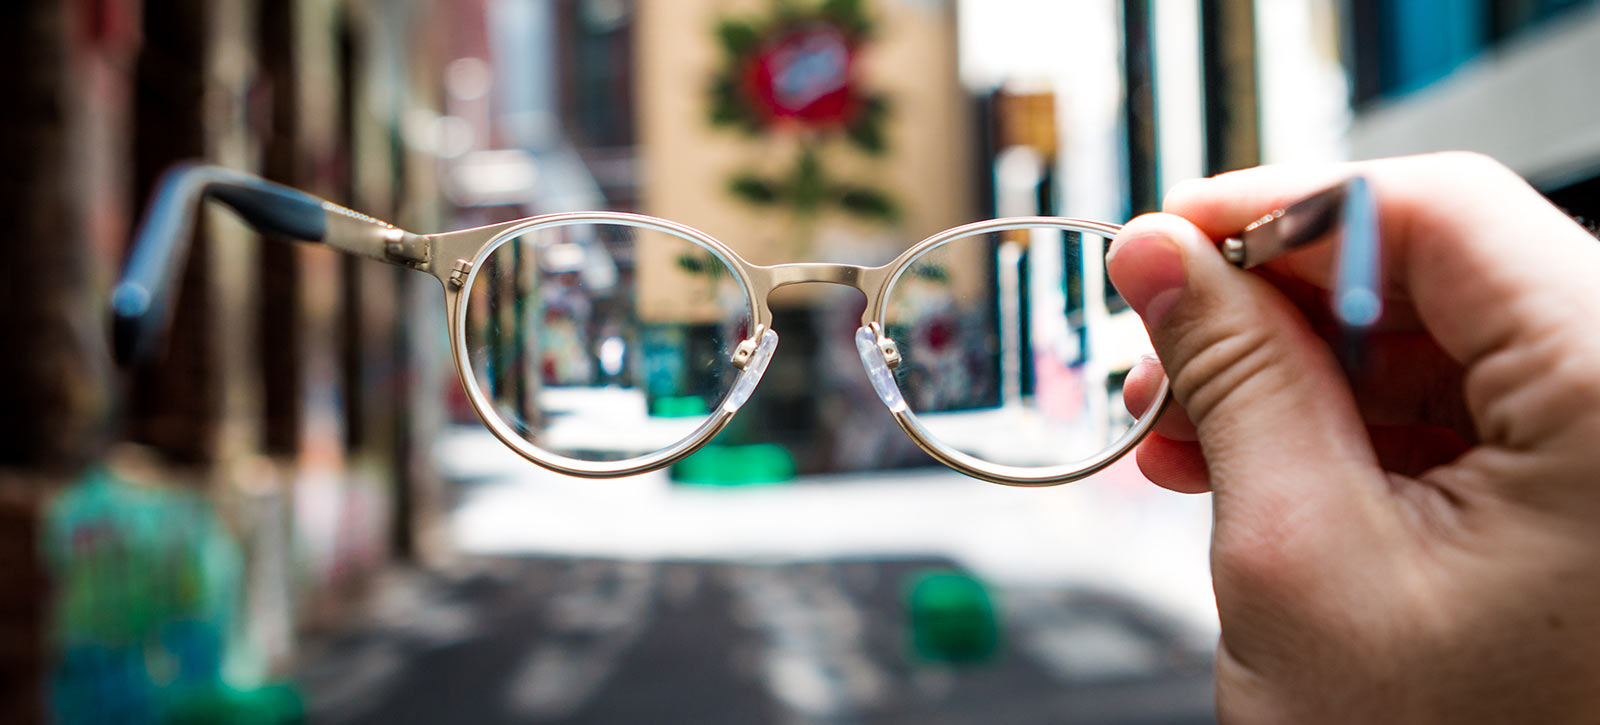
[(454, 258)]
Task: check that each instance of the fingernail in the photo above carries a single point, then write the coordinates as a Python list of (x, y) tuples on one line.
[(1149, 274)]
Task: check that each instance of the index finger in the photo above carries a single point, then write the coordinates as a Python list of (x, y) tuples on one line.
[(1223, 205), (1487, 263)]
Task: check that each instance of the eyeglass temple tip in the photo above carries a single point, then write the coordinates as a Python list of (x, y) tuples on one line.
[(161, 244)]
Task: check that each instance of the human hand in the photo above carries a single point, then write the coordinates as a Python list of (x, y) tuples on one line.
[(1419, 540)]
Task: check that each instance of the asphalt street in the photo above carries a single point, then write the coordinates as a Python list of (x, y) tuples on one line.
[(642, 600), (604, 641)]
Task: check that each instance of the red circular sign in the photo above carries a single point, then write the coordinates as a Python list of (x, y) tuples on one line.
[(804, 75)]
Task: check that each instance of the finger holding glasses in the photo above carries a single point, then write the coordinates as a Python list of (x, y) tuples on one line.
[(1412, 539), (1406, 386)]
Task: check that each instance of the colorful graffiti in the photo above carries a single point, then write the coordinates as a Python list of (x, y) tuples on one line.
[(148, 584)]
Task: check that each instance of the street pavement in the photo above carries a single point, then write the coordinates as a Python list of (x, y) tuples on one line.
[(606, 641), (642, 600)]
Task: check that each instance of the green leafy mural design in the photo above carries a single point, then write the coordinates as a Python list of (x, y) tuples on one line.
[(794, 72)]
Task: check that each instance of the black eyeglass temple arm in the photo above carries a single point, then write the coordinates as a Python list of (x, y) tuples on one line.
[(140, 301)]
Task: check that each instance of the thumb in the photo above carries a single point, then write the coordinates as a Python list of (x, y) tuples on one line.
[(1273, 412)]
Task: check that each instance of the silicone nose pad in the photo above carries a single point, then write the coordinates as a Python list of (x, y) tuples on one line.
[(751, 375), (878, 370)]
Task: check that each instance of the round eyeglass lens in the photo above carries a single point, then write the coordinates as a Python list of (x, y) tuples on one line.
[(603, 340), (1014, 346)]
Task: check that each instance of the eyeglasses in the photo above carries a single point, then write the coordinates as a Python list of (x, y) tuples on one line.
[(603, 344)]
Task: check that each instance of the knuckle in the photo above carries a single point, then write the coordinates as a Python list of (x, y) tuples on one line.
[(1179, 195), (1470, 169), (1535, 389), (1472, 163), (1222, 366)]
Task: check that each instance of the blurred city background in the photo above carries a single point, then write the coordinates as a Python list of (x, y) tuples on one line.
[(292, 513)]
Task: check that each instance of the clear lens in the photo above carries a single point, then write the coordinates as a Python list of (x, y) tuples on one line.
[(604, 341), (1014, 345)]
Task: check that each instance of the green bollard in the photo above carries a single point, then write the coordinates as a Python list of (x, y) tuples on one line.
[(952, 618)]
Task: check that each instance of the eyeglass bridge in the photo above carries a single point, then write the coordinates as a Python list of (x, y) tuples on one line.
[(746, 350)]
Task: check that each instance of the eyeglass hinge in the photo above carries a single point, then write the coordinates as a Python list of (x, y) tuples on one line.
[(458, 273), (401, 245)]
